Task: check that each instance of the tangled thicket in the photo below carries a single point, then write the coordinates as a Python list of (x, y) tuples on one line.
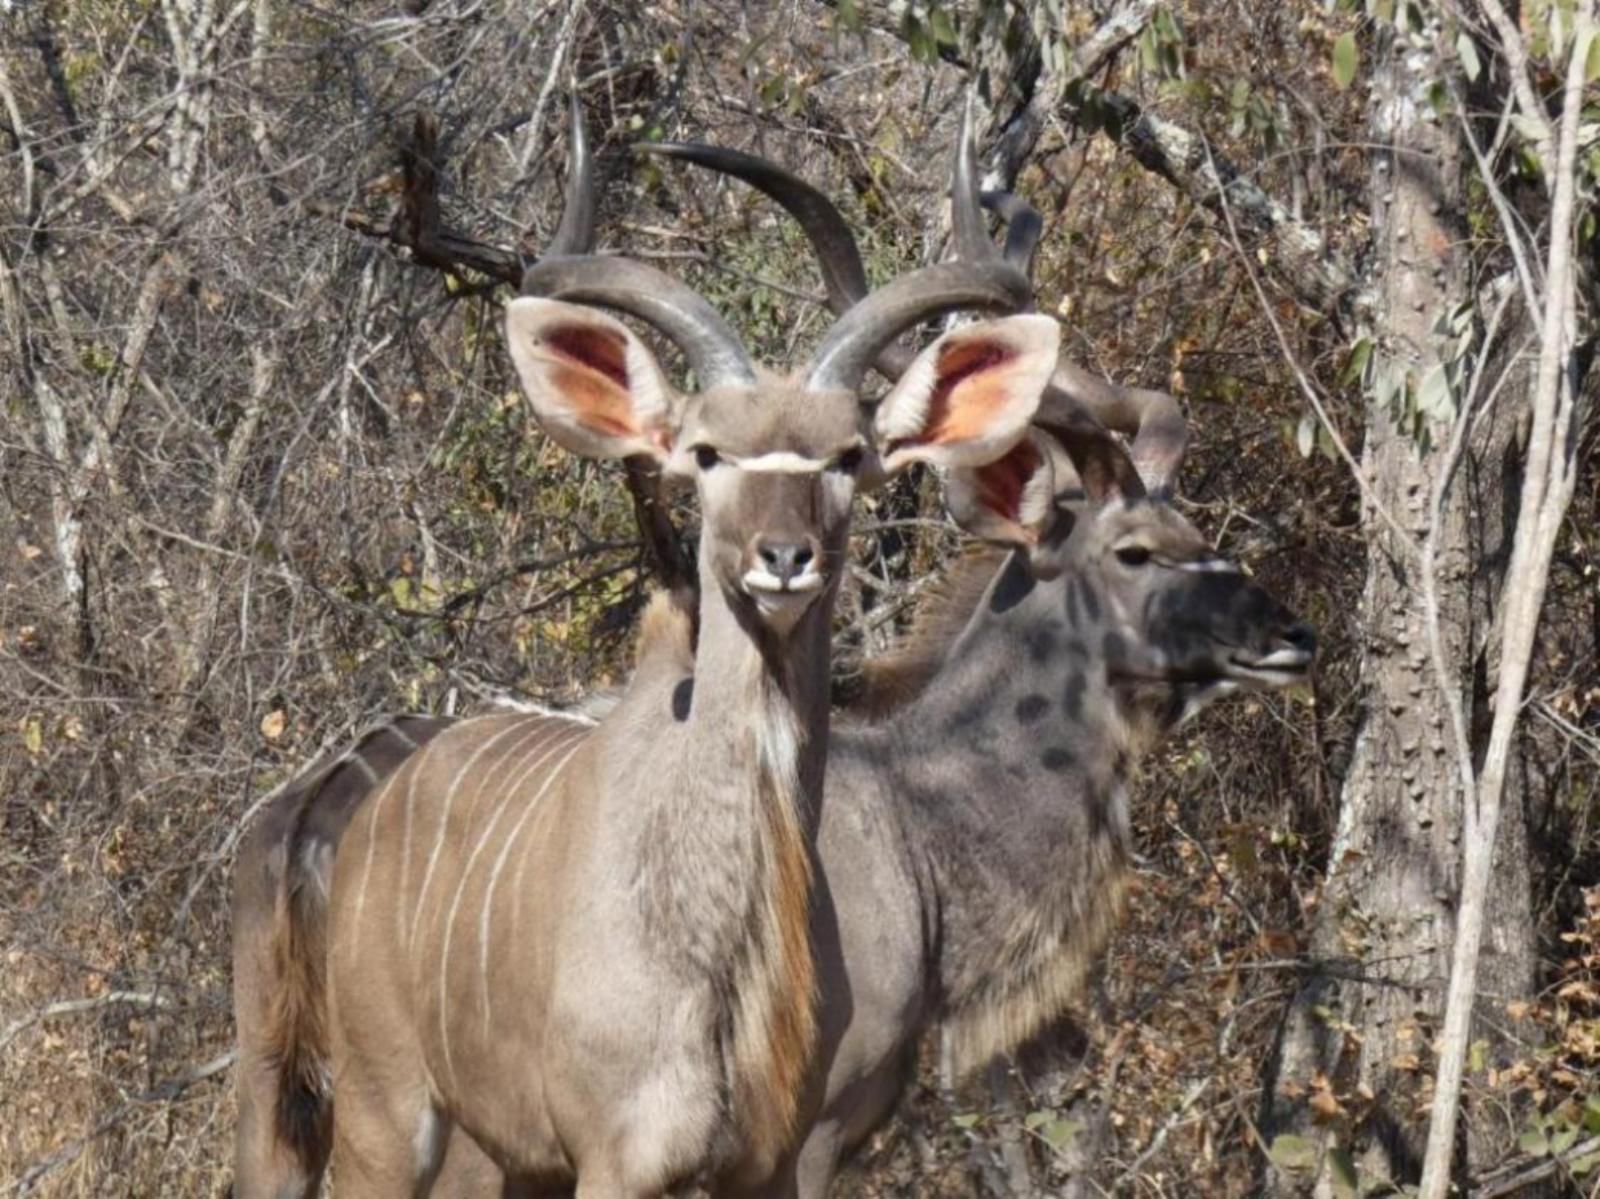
[(265, 476)]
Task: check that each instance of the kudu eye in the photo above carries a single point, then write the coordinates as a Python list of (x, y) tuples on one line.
[(849, 462), (706, 457), (1133, 555)]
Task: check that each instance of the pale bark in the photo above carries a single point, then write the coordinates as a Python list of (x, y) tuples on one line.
[(1389, 906), (1549, 474)]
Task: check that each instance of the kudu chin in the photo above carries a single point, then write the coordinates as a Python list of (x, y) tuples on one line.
[(588, 946)]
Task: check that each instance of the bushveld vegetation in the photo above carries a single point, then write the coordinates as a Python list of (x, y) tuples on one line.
[(264, 474)]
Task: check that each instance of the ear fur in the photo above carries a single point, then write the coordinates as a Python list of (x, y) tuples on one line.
[(968, 397), (1009, 501), (594, 386)]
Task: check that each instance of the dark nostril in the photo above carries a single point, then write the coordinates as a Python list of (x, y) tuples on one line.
[(784, 559), (1301, 636)]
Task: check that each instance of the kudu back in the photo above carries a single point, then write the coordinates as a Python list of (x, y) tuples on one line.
[(588, 945)]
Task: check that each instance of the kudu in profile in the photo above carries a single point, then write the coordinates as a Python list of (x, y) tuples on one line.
[(588, 946)]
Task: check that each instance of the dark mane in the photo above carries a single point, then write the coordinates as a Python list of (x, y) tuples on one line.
[(894, 678)]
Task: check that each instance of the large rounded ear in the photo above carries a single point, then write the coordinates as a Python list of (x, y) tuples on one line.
[(1010, 501), (593, 385), (968, 397)]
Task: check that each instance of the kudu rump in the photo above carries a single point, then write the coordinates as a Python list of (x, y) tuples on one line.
[(973, 839), (588, 946)]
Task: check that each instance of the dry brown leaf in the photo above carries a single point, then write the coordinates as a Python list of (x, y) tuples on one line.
[(273, 723)]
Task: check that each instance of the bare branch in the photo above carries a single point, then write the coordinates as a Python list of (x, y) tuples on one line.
[(1550, 474)]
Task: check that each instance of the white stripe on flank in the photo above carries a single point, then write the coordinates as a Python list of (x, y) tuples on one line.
[(779, 462), (405, 862), (372, 845), (540, 752), (444, 821), (499, 864)]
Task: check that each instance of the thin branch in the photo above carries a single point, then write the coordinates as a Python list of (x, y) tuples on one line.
[(163, 1093), (1546, 490), (1403, 540), (73, 1007), (1516, 55)]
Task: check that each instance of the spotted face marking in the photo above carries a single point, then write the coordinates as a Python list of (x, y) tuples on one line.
[(1057, 759), (1072, 697), (1031, 707)]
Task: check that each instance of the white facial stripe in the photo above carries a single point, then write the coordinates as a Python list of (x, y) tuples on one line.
[(778, 462), (1208, 566)]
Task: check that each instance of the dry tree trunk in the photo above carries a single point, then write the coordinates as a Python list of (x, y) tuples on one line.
[(1388, 909)]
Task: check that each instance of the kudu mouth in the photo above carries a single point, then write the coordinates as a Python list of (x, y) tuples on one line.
[(1284, 666), (781, 600), (1280, 668)]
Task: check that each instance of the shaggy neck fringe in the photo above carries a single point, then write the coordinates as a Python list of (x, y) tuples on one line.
[(894, 678)]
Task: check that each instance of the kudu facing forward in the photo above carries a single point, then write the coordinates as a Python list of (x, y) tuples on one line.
[(973, 840), (588, 946)]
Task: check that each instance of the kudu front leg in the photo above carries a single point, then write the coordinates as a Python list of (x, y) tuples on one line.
[(604, 1184), (381, 1151)]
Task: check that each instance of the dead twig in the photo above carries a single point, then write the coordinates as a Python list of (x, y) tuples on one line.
[(72, 1007)]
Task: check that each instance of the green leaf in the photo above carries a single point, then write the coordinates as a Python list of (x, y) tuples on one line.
[(1355, 368), (1584, 1164), (1433, 393), (1305, 435), (850, 15), (1034, 1119), (944, 30), (966, 1120), (1325, 443), (1345, 60), (1059, 1133), (1345, 1177), (1478, 1057), (1150, 49), (1591, 59), (1591, 1113), (1563, 1139), (915, 33), (1467, 50), (1533, 1141), (1438, 99), (1290, 1152)]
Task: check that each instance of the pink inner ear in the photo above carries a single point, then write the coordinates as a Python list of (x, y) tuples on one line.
[(598, 349), (965, 362), (1001, 484), (593, 377)]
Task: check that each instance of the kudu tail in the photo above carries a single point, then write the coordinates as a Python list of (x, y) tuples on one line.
[(286, 874), (297, 1033)]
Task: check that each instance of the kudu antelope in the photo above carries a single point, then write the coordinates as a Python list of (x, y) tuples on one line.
[(588, 946), (973, 839)]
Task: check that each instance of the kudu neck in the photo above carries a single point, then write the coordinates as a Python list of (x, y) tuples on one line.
[(1013, 761), (728, 864), (751, 682)]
